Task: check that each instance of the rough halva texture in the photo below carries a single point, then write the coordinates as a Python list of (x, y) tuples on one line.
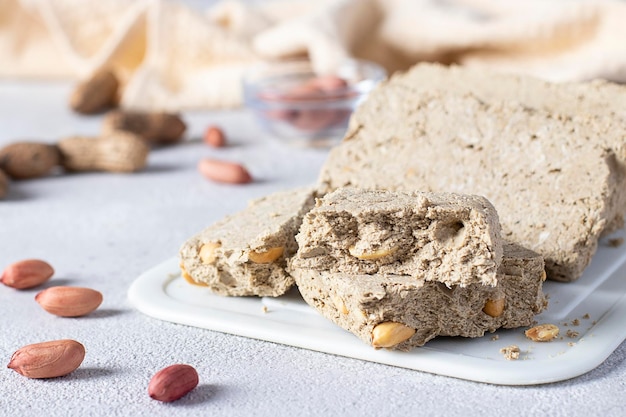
[(444, 237), (595, 98), (246, 253), (556, 181), (402, 312), (598, 104)]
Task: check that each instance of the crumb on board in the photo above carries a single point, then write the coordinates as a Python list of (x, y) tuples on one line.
[(586, 316), (495, 337), (616, 242), (572, 334), (264, 308), (575, 322), (511, 352)]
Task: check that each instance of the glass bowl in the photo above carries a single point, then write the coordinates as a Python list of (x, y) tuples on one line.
[(294, 104)]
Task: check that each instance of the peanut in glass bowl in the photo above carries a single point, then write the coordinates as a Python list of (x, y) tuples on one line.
[(294, 104)]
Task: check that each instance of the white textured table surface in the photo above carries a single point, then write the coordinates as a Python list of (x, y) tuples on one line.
[(103, 230)]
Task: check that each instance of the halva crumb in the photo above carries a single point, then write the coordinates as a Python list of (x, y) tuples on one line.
[(572, 334), (511, 352)]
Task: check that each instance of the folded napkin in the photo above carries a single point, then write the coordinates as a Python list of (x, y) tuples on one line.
[(170, 56)]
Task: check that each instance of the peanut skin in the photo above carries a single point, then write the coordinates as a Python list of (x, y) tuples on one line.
[(27, 273), (48, 359), (173, 382), (26, 160), (214, 136), (224, 172), (65, 301), (96, 94), (157, 128)]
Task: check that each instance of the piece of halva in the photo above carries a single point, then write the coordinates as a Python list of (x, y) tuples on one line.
[(597, 104), (444, 237), (246, 253), (402, 312), (555, 183)]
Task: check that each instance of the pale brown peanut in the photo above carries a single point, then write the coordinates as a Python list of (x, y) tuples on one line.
[(95, 94), (189, 279), (173, 382), (390, 333), (542, 332), (48, 359), (69, 301), (25, 160), (159, 128), (214, 136), (27, 273), (267, 256), (4, 184), (339, 304), (224, 172), (370, 255), (494, 308), (208, 254), (117, 152)]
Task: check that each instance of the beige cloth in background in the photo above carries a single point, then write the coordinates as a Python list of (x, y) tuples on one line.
[(173, 57)]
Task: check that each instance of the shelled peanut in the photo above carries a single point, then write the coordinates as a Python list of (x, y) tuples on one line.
[(97, 93), (224, 171), (26, 160), (48, 359), (66, 301), (27, 273), (159, 128), (173, 382), (214, 137), (115, 152)]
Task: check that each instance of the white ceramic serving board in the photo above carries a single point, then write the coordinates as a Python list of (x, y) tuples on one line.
[(592, 309)]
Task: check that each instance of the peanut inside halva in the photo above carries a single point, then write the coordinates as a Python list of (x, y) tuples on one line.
[(390, 333), (208, 254), (371, 254), (188, 277), (494, 308), (267, 256)]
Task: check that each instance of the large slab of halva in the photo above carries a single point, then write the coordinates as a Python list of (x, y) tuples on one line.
[(598, 104), (555, 184), (444, 237), (402, 312), (246, 253)]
